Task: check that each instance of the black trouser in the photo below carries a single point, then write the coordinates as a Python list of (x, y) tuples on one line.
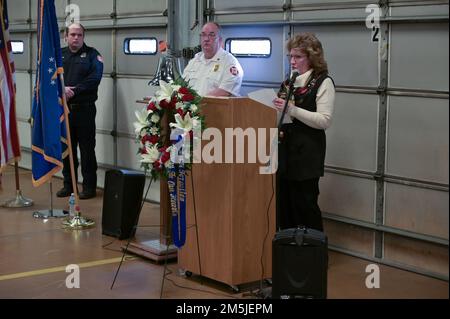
[(298, 204), (82, 133)]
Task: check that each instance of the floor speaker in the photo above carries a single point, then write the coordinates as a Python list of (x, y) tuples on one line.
[(122, 201), (299, 264)]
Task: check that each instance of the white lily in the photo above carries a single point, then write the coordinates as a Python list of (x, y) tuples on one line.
[(165, 91), (185, 124), (152, 154), (176, 87), (142, 121), (155, 118)]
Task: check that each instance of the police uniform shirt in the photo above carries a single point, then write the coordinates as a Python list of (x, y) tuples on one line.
[(222, 71), (83, 70)]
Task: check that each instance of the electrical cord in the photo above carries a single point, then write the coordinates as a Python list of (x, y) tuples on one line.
[(258, 294), (194, 289)]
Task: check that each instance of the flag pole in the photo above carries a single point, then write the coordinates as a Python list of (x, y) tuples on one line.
[(19, 200), (77, 222)]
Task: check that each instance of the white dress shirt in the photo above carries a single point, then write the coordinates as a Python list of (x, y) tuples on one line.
[(321, 119), (222, 71)]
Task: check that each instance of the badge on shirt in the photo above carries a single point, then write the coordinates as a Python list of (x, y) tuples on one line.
[(234, 70), (83, 55), (216, 68)]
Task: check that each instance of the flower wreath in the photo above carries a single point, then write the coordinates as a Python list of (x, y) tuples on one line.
[(181, 104), (171, 156)]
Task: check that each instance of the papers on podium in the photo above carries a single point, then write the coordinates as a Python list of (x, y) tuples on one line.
[(266, 97)]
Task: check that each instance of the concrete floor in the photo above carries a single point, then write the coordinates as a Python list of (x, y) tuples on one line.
[(34, 254)]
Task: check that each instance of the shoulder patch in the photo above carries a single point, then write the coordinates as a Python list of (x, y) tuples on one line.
[(100, 58), (234, 70)]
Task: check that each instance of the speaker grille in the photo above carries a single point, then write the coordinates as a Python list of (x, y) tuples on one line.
[(121, 202)]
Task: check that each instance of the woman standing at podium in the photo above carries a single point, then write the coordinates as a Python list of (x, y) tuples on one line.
[(303, 142)]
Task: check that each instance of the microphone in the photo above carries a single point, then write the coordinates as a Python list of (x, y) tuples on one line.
[(294, 76)]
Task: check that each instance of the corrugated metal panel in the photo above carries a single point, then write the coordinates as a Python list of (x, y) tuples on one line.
[(97, 8), (417, 254), (351, 55), (23, 100), (348, 196), (354, 115), (101, 40), (350, 237), (418, 138), (105, 114), (419, 56), (415, 209)]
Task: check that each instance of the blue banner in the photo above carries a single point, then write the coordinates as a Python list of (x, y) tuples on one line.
[(177, 191), (49, 144)]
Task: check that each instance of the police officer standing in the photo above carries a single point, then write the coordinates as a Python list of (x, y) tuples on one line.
[(83, 69)]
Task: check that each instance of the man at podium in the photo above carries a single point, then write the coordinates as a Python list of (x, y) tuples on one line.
[(214, 71)]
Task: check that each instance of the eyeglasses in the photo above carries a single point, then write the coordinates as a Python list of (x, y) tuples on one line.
[(296, 57), (211, 35)]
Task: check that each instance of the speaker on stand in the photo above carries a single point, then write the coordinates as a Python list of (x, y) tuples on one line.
[(121, 202)]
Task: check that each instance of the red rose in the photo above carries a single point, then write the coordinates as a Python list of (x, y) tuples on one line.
[(154, 139), (187, 97), (164, 104), (173, 102), (143, 150), (162, 149), (183, 90), (151, 106), (180, 111), (157, 165), (165, 157)]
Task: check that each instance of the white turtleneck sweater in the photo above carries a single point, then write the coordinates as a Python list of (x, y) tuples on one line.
[(321, 119)]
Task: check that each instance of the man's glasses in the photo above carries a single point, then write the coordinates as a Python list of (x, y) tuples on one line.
[(211, 35)]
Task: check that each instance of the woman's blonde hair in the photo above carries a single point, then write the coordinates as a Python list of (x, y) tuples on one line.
[(311, 46)]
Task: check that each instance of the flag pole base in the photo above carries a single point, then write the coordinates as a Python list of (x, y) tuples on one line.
[(78, 222), (19, 201), (50, 213)]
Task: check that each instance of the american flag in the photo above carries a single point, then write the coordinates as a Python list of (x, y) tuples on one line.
[(9, 139)]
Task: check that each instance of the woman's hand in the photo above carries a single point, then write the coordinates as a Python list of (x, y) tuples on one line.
[(279, 104)]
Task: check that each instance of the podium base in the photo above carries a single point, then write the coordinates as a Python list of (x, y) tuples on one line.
[(153, 250), (50, 213)]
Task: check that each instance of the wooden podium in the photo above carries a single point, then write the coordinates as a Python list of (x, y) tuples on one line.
[(233, 217)]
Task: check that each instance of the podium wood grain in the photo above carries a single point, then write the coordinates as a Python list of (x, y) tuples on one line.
[(231, 203)]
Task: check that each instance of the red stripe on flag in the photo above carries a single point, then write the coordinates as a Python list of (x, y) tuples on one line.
[(13, 136)]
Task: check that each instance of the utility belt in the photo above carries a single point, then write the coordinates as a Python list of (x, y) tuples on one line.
[(79, 106)]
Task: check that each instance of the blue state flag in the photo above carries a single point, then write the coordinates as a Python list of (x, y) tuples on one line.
[(49, 143)]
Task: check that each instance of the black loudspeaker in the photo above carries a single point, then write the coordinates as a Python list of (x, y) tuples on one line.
[(122, 202), (299, 264)]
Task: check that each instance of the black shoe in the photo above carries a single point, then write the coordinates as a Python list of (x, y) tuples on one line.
[(64, 192), (86, 194)]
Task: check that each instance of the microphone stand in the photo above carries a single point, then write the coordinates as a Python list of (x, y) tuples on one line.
[(280, 136)]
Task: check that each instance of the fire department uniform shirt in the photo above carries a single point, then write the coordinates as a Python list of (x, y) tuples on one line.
[(222, 71)]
